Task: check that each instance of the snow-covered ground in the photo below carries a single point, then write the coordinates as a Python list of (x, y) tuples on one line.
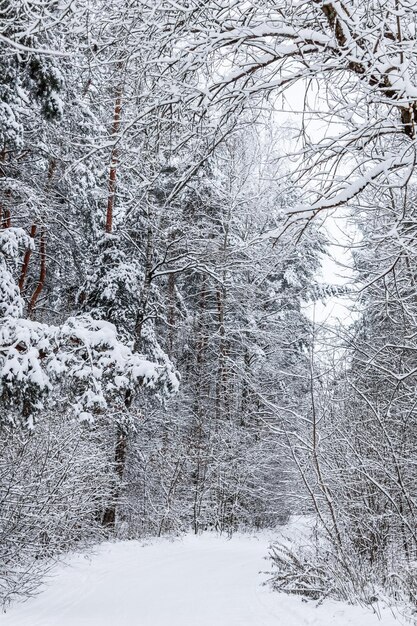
[(197, 581)]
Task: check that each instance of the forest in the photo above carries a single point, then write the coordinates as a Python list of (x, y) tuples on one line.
[(191, 191)]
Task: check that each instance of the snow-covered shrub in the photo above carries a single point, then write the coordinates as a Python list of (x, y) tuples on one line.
[(299, 573), (55, 481), (314, 568)]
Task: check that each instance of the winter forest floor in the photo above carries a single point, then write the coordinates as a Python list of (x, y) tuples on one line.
[(197, 581)]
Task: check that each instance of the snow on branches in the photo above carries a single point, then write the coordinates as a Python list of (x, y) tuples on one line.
[(80, 365), (82, 359), (348, 67)]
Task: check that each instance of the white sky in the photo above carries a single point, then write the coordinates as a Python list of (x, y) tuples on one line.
[(336, 268)]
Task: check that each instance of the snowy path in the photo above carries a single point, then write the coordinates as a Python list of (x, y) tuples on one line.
[(203, 581)]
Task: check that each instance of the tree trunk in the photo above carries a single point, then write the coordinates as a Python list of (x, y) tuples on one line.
[(26, 259), (42, 275), (114, 159), (120, 452)]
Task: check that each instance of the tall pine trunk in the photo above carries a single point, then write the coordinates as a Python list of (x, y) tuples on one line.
[(120, 451)]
